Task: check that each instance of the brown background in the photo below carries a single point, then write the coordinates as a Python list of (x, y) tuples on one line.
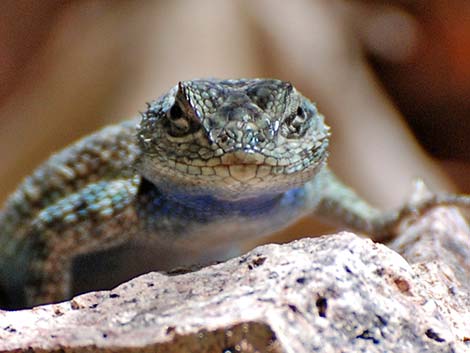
[(382, 74)]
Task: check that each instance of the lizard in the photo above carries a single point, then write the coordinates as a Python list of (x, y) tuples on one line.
[(208, 165)]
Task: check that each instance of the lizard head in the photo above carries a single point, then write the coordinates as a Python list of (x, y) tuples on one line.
[(231, 139)]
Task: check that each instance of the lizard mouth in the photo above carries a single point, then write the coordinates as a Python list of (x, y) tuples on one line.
[(242, 158), (235, 174), (241, 167)]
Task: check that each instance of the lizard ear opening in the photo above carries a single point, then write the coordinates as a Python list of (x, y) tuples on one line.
[(182, 117)]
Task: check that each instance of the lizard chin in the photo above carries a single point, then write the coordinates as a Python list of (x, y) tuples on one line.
[(231, 182)]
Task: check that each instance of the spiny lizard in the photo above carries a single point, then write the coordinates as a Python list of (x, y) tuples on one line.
[(210, 164)]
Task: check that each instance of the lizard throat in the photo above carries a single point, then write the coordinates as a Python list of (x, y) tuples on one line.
[(208, 205)]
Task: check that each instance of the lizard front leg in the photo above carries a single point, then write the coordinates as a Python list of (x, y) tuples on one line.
[(98, 216), (341, 205)]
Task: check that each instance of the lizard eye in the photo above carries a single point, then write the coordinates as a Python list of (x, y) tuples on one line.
[(180, 124), (295, 125)]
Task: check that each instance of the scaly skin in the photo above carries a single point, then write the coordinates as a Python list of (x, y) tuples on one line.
[(211, 163)]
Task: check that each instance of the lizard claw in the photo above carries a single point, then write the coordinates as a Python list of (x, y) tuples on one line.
[(422, 201)]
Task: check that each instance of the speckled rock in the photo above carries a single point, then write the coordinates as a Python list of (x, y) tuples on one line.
[(336, 293)]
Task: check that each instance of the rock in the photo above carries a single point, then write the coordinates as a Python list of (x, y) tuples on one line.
[(336, 293)]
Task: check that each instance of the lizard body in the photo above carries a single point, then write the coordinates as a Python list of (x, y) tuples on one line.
[(210, 164)]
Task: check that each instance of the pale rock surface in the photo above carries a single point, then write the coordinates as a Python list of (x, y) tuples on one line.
[(336, 293)]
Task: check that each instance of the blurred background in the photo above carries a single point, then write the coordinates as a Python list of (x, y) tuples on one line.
[(391, 77)]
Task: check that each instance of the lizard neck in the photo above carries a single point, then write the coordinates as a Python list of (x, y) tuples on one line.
[(209, 207)]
